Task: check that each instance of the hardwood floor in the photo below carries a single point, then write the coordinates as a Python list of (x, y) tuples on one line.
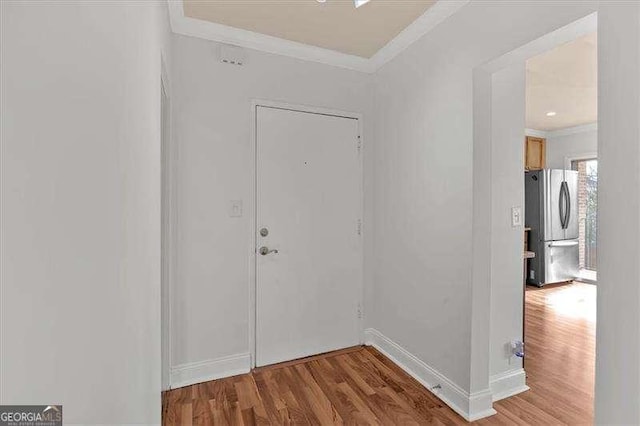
[(361, 386), (358, 386), (560, 336)]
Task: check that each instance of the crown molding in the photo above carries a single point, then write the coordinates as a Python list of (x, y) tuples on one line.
[(430, 19), (590, 127), (181, 24), (565, 131), (536, 133)]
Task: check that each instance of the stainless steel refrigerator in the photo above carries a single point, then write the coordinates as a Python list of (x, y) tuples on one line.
[(551, 211)]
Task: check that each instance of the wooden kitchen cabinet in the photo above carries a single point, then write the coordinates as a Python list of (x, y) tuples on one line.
[(534, 153)]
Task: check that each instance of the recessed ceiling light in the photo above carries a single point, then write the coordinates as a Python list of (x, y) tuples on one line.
[(551, 113), (359, 3), (321, 1)]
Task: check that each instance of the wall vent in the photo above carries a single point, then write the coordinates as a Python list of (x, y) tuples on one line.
[(232, 55)]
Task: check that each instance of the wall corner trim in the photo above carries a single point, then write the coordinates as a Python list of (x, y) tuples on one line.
[(211, 369), (507, 384), (471, 407)]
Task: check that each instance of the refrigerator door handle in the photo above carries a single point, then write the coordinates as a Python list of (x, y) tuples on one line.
[(562, 205), (563, 243)]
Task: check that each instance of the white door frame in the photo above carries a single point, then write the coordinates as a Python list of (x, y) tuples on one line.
[(252, 208), (168, 227), (487, 177)]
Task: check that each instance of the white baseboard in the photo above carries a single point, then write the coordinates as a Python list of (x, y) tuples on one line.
[(212, 369), (470, 406), (507, 384)]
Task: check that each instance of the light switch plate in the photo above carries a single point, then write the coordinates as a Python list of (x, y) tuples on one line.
[(235, 208), (516, 216)]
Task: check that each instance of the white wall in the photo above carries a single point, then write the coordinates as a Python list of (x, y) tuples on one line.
[(424, 192), (212, 129), (562, 145), (618, 327), (80, 305), (507, 191)]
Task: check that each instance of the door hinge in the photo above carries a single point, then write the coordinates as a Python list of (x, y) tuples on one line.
[(359, 144), (359, 227), (359, 311)]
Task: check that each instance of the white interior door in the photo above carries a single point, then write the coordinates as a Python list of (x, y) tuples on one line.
[(309, 199)]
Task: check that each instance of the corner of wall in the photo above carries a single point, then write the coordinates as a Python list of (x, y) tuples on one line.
[(471, 407)]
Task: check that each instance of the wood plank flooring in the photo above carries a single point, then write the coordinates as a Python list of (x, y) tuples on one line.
[(361, 386), (560, 336)]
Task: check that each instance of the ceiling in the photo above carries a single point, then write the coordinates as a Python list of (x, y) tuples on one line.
[(336, 24), (563, 80)]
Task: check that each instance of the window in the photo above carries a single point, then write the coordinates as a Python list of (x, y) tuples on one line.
[(587, 210)]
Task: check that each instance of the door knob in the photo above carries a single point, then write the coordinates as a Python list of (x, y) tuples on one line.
[(265, 250)]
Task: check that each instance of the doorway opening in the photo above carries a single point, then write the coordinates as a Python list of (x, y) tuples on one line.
[(528, 349), (561, 178)]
